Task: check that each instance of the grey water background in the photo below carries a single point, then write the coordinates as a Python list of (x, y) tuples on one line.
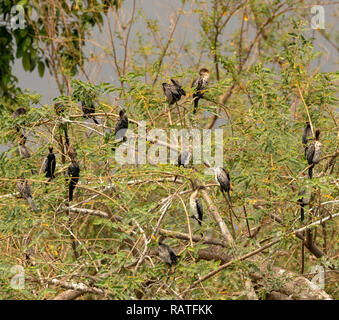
[(187, 30)]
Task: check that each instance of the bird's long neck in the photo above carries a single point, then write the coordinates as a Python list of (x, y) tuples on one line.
[(194, 194), (205, 76)]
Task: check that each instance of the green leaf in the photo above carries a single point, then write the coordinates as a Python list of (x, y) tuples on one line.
[(26, 63), (41, 68)]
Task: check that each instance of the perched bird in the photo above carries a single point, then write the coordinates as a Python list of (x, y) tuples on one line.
[(306, 197), (184, 160), (166, 254), (121, 126), (222, 177), (19, 112), (196, 207), (302, 206), (59, 108), (307, 133), (200, 86), (178, 87), (22, 149), (74, 173), (26, 192), (50, 163), (313, 153), (88, 109), (173, 92)]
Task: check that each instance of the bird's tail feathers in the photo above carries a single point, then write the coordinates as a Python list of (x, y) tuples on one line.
[(195, 218), (310, 172), (70, 191), (196, 102)]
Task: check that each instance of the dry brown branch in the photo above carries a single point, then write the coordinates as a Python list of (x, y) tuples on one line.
[(217, 218), (255, 252), (184, 236), (68, 295), (81, 287)]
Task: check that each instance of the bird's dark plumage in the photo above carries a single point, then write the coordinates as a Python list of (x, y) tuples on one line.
[(306, 133), (166, 254), (302, 210), (184, 160), (173, 92), (196, 207), (50, 163), (19, 112), (178, 87), (88, 109), (74, 173), (303, 201), (200, 86), (26, 193), (22, 149), (313, 153), (122, 125), (222, 177), (59, 108)]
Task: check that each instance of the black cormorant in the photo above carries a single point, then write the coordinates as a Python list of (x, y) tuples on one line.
[(88, 109), (121, 126), (50, 163), (173, 92), (19, 112), (26, 192), (166, 254), (222, 177), (307, 133), (184, 160), (200, 86), (196, 207), (313, 153), (59, 108), (74, 173), (302, 206), (24, 152), (22, 149), (304, 200)]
